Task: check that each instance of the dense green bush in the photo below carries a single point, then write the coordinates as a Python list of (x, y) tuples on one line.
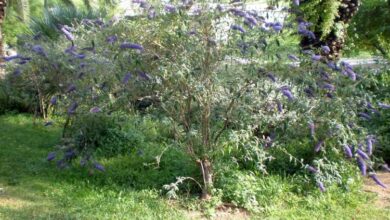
[(249, 114)]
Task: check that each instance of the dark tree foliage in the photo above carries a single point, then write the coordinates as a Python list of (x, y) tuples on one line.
[(371, 27), (330, 20)]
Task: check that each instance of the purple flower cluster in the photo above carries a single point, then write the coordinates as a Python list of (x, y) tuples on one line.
[(72, 108), (170, 8), (362, 154), (67, 33), (71, 88), (325, 49), (321, 186), (377, 181), (362, 165), (39, 50), (312, 169), (312, 129), (271, 77), (238, 12), (126, 78), (318, 146), (383, 105), (303, 31), (315, 57), (348, 151), (133, 46), (95, 110), (293, 57), (51, 156), (111, 39), (99, 167), (237, 28), (286, 92), (348, 70), (369, 141)]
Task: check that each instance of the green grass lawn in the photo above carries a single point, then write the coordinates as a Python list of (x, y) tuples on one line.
[(32, 188)]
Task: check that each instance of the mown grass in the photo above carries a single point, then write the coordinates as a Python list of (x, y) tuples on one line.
[(33, 188)]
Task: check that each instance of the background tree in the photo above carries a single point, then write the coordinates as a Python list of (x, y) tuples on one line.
[(330, 20), (371, 27)]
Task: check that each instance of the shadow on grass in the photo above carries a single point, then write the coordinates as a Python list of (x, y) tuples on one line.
[(38, 188)]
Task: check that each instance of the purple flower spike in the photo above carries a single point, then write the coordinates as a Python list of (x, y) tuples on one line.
[(72, 108), (95, 110), (71, 88), (312, 169), (385, 167), (271, 77), (280, 107), (152, 13), (362, 154), (288, 94), (80, 56), (296, 2), (293, 57), (328, 86), (324, 75), (321, 186), (111, 39), (318, 146), (277, 26), (10, 58), (238, 12), (316, 57), (53, 100), (126, 78), (346, 65), (67, 34), (312, 128), (17, 72), (377, 181), (364, 116), (69, 154), (369, 145), (144, 75), (351, 74), (48, 123), (99, 167), (251, 20), (348, 151), (309, 92), (39, 50), (325, 49), (362, 165), (132, 46), (71, 50), (238, 28), (332, 65), (170, 8), (51, 156), (310, 35), (383, 105)]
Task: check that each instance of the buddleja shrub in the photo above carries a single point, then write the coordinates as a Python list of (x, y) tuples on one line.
[(219, 75)]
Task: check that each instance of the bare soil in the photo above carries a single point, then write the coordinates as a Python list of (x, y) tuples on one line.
[(383, 194)]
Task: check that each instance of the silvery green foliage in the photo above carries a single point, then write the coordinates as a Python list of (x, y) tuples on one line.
[(221, 81)]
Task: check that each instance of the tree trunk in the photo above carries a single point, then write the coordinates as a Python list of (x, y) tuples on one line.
[(207, 174), (2, 70), (3, 4)]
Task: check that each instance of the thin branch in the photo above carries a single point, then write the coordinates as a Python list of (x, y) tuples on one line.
[(230, 108)]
